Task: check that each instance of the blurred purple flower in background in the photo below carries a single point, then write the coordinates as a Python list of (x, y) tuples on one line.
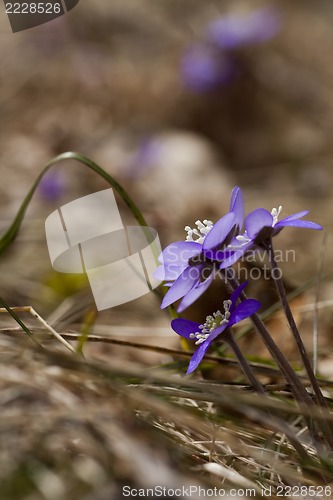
[(209, 65), (203, 68), (234, 31), (145, 158), (52, 186)]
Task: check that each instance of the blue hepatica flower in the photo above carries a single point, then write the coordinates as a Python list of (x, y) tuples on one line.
[(145, 158), (189, 266), (260, 226), (52, 186), (204, 68), (211, 63), (214, 325), (234, 31)]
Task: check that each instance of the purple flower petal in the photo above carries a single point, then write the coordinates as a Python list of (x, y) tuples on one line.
[(229, 261), (256, 220), (217, 332), (195, 293), (198, 355), (237, 207), (298, 215), (184, 327), (236, 294), (307, 224), (179, 251), (201, 351), (218, 255), (171, 272), (182, 285), (159, 273), (244, 310), (219, 232)]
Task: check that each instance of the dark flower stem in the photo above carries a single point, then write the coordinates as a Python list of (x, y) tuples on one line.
[(284, 428), (276, 277), (296, 385), (299, 391), (228, 338)]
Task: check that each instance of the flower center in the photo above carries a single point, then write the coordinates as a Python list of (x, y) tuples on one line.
[(275, 213), (212, 322), (200, 232)]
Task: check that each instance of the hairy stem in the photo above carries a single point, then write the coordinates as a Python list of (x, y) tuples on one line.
[(296, 385), (276, 277), (228, 338), (283, 427), (299, 391)]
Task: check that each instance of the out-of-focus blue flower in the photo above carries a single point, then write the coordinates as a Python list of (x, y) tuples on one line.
[(52, 186), (210, 64), (260, 226), (234, 31), (145, 158), (191, 264), (204, 69), (215, 325)]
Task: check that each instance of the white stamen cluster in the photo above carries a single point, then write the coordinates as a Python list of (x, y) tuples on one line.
[(275, 213), (212, 322), (243, 240), (200, 232)]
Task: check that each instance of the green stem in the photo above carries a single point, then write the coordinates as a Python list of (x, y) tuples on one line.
[(9, 236), (12, 231), (19, 322)]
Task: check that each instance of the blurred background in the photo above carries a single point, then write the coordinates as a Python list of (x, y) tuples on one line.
[(180, 101)]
